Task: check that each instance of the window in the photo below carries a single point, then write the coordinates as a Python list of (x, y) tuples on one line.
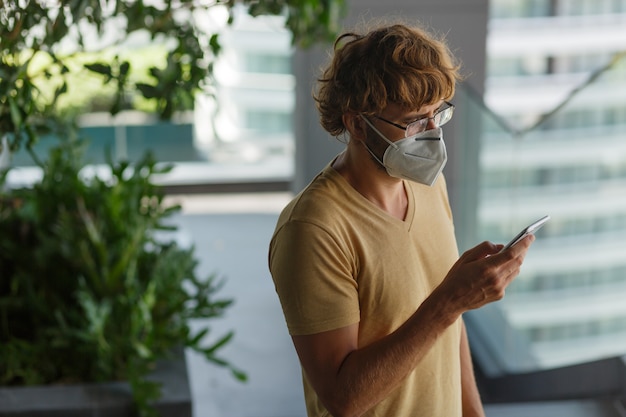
[(268, 122), (267, 63)]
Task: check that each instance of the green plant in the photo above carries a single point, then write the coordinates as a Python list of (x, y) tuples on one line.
[(84, 277), (86, 281), (33, 32)]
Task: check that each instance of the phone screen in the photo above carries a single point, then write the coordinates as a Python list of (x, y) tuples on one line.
[(528, 230)]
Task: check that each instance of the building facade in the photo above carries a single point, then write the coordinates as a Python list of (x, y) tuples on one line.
[(554, 142)]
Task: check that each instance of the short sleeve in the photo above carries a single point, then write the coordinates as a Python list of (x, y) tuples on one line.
[(314, 277)]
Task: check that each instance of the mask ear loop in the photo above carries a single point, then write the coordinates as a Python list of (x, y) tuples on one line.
[(374, 156), (381, 135), (377, 131)]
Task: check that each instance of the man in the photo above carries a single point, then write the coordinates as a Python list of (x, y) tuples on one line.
[(364, 260)]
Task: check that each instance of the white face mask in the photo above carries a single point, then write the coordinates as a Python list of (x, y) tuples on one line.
[(418, 158)]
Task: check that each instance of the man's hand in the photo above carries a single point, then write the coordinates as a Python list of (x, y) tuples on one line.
[(482, 274)]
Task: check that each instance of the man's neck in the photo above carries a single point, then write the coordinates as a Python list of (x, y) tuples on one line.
[(371, 180)]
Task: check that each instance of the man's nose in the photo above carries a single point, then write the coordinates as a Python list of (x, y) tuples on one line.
[(431, 124)]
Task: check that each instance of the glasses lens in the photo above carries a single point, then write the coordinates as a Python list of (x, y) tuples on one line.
[(416, 127), (440, 118), (444, 116)]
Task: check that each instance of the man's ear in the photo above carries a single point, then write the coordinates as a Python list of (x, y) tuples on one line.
[(355, 125)]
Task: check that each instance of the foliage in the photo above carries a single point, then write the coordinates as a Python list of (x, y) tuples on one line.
[(88, 91), (31, 28), (89, 292)]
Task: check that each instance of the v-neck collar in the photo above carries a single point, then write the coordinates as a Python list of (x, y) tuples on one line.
[(410, 211)]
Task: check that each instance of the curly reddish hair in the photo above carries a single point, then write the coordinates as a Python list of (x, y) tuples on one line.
[(393, 64)]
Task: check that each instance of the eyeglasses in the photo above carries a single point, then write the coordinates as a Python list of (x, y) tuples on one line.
[(440, 118)]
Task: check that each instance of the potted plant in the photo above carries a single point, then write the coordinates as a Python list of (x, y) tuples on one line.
[(91, 289)]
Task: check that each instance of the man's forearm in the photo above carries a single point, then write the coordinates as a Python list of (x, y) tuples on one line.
[(367, 375)]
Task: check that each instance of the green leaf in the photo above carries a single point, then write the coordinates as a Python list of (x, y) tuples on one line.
[(215, 44), (219, 344), (124, 68), (16, 114), (239, 375), (147, 90), (100, 68), (59, 92), (143, 351), (198, 337)]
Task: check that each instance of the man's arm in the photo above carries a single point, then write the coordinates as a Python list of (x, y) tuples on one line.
[(472, 405), (350, 380)]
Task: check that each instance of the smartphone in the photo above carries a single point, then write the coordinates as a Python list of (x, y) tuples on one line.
[(528, 230)]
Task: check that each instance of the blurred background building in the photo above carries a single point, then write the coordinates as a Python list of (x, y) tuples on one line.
[(251, 119), (554, 142)]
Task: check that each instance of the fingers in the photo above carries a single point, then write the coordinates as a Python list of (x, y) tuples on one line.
[(483, 273), (523, 244), (480, 251), (517, 251), (506, 267)]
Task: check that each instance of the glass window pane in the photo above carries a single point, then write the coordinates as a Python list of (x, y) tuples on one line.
[(566, 305)]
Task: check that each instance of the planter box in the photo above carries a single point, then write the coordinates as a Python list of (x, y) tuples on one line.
[(102, 400)]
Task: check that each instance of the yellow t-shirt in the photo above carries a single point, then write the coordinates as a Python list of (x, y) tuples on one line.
[(336, 259)]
